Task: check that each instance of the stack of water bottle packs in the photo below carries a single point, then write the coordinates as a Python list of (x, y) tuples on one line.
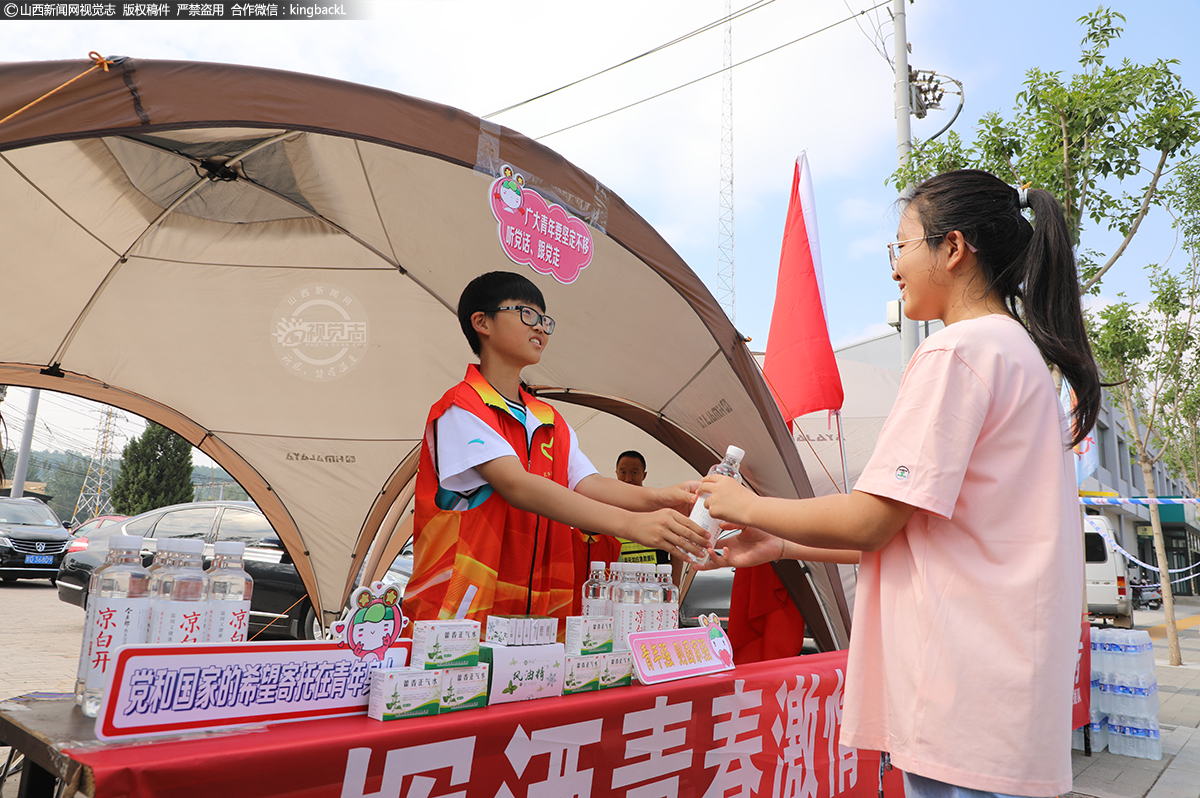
[(1124, 705), (173, 601)]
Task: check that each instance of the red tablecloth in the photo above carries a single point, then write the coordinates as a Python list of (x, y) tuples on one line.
[(767, 729)]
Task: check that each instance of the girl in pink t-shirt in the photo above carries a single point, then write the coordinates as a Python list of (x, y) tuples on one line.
[(966, 520)]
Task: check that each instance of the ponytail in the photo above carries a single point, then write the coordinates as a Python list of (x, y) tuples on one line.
[(1031, 267)]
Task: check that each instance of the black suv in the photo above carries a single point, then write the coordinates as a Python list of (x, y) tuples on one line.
[(32, 540), (279, 599)]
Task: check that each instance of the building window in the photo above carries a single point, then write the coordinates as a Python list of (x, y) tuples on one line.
[(1123, 458)]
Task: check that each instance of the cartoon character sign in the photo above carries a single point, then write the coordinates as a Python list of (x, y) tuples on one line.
[(375, 623), (508, 191), (537, 233), (717, 638)]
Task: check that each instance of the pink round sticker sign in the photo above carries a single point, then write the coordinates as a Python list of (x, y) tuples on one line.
[(544, 237)]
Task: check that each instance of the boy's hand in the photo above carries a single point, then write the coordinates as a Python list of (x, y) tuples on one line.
[(667, 530), (749, 547), (679, 497), (727, 499)]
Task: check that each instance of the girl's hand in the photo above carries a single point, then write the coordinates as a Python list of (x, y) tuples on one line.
[(749, 547), (727, 499)]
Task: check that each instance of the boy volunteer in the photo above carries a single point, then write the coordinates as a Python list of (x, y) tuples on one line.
[(502, 481)]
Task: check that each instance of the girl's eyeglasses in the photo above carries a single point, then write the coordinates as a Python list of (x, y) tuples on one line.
[(894, 249), (530, 316)]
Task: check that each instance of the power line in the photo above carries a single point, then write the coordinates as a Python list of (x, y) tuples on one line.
[(711, 74), (755, 6)]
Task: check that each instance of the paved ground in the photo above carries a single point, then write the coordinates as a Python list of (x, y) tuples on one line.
[(39, 651)]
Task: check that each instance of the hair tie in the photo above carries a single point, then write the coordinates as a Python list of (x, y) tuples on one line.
[(1023, 196)]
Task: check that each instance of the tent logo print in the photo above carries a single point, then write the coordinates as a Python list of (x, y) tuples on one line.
[(319, 332)]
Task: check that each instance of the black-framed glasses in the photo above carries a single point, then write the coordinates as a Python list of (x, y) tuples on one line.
[(531, 317)]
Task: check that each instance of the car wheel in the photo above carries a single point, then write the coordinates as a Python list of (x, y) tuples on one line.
[(310, 627)]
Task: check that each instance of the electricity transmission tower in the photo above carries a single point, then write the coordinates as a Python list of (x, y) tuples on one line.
[(94, 499), (726, 295)]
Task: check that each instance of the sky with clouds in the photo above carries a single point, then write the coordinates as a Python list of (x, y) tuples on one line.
[(827, 90)]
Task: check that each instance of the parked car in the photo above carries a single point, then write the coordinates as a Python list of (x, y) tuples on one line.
[(1108, 598), (32, 540), (95, 523), (279, 599)]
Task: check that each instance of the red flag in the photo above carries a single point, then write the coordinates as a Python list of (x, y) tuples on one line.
[(802, 373), (799, 363)]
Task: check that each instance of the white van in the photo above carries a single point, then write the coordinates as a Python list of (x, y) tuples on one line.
[(1108, 597)]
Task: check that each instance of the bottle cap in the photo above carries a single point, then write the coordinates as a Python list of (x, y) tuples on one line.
[(189, 545), (125, 542), (735, 453), (227, 548), (664, 569), (596, 565), (168, 544)]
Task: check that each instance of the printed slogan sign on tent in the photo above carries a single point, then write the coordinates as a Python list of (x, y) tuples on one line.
[(544, 237)]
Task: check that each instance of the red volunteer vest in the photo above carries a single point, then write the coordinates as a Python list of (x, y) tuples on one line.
[(492, 558)]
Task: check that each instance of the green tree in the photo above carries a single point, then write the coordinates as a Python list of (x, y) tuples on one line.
[(1142, 349), (156, 471), (1102, 141)]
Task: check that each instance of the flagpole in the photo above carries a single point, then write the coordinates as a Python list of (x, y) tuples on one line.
[(842, 442)]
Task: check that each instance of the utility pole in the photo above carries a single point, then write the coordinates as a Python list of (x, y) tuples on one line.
[(908, 327), (22, 467), (726, 294), (94, 498)]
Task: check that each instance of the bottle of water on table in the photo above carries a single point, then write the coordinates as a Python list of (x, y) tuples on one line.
[(119, 602), (230, 589)]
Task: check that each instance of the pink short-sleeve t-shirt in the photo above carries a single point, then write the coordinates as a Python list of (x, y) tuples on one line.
[(966, 624)]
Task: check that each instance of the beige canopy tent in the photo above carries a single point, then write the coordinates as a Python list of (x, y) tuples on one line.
[(267, 263)]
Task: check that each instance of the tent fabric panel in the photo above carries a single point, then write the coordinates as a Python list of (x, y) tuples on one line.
[(229, 351), (87, 185), (328, 487)]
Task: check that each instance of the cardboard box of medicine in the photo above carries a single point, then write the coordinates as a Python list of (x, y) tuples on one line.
[(504, 630), (519, 673), (583, 674), (545, 630), (464, 688), (589, 634), (445, 644), (404, 693), (616, 669)]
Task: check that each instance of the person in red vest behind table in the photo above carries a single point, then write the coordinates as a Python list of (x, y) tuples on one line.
[(502, 481)]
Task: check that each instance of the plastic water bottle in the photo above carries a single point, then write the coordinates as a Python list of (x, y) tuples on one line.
[(595, 591), (1094, 635), (229, 591), (1153, 740), (627, 608), (670, 598), (86, 650), (1099, 724), (727, 467), (1145, 651), (179, 596), (119, 598), (652, 598), (1116, 735), (1123, 694), (614, 576)]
